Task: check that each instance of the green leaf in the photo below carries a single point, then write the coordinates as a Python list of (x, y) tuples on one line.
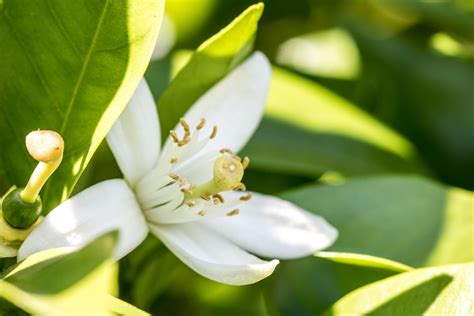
[(210, 63), (43, 277), (310, 285), (407, 219), (308, 130), (363, 260), (446, 290), (70, 66), (59, 283)]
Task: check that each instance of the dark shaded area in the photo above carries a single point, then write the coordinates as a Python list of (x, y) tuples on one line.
[(317, 285)]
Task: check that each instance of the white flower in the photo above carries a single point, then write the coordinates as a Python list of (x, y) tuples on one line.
[(172, 193)]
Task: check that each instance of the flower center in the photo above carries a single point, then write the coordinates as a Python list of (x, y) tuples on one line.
[(190, 183)]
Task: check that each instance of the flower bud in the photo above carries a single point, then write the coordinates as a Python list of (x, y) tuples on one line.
[(45, 146)]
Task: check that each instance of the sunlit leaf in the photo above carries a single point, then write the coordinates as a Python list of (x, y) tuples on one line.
[(42, 277), (363, 260), (309, 130), (310, 285), (446, 290), (70, 66), (329, 53), (58, 282)]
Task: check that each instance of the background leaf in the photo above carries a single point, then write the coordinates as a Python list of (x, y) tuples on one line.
[(308, 130), (308, 286), (446, 290), (70, 66), (385, 216)]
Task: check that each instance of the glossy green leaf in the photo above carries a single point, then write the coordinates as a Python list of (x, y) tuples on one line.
[(310, 285), (70, 66), (446, 290), (42, 278), (407, 219), (363, 260), (210, 63), (57, 282)]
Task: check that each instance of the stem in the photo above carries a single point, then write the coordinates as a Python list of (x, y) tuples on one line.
[(37, 180)]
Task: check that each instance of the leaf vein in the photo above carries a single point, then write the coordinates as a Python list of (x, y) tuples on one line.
[(84, 67)]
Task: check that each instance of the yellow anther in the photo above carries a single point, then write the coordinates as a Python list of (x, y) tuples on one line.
[(190, 203), (226, 151), (184, 124), (202, 213), (246, 197), (201, 124), (205, 197), (174, 137), (186, 191), (239, 187), (219, 197), (214, 132), (174, 160), (245, 162), (174, 176), (233, 212)]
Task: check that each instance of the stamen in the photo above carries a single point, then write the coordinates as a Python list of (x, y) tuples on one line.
[(174, 137), (226, 151), (245, 162), (237, 158), (174, 176), (190, 203), (183, 142), (173, 160), (246, 197), (202, 213), (184, 124), (205, 197), (218, 199), (233, 212), (214, 132), (201, 124), (240, 187), (186, 191)]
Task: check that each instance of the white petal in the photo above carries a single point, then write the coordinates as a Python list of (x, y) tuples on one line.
[(213, 256), (274, 228), (235, 104), (135, 137), (106, 206)]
